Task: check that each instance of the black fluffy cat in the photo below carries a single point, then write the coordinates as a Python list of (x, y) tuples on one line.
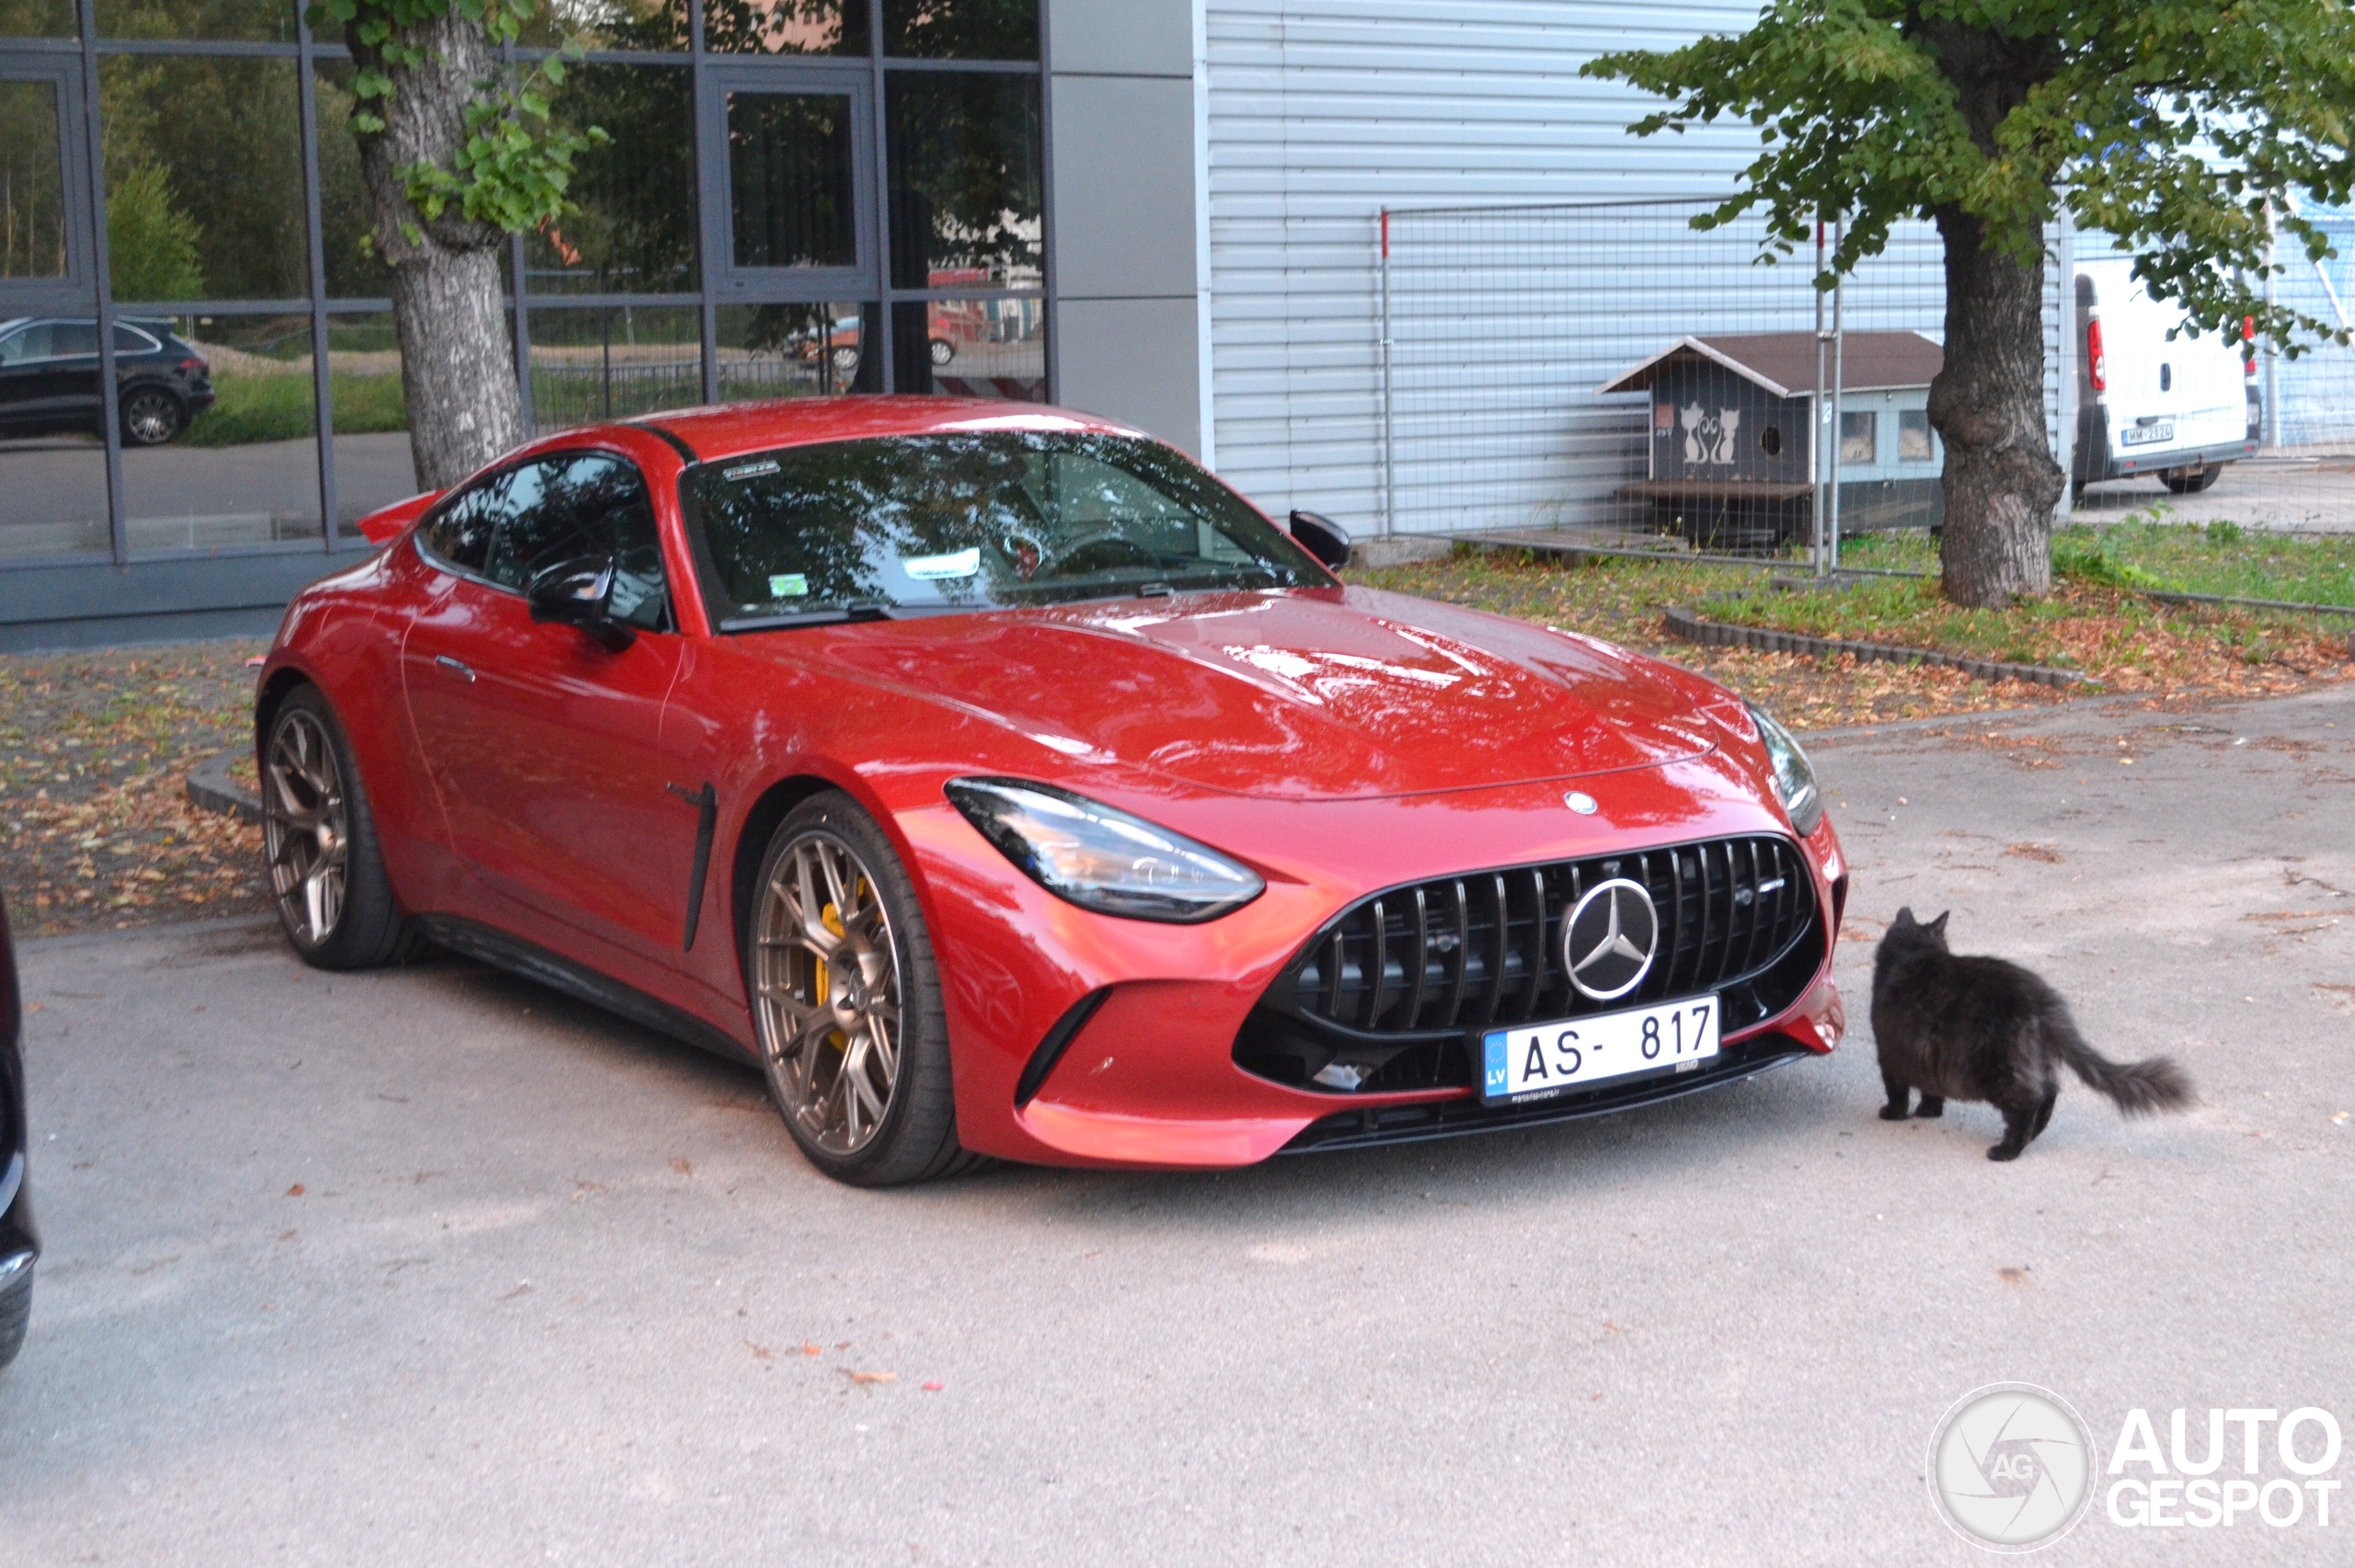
[(1984, 1029)]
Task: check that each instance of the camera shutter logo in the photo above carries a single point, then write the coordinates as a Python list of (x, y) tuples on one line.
[(2012, 1466), (1608, 939)]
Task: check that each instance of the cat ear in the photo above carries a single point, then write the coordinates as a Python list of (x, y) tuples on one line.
[(1905, 918), (1939, 924)]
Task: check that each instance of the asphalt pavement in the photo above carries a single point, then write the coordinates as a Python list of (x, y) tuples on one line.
[(434, 1266)]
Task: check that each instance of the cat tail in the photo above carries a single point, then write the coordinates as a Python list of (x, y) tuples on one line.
[(2138, 1088)]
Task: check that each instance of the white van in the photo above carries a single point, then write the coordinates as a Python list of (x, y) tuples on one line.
[(2178, 411)]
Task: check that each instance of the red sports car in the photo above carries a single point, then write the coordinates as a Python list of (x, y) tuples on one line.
[(1000, 782)]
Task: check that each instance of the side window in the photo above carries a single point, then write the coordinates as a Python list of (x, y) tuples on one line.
[(459, 533), (131, 340), (586, 506), (68, 339), (18, 347)]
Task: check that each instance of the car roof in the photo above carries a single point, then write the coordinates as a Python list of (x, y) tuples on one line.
[(734, 428)]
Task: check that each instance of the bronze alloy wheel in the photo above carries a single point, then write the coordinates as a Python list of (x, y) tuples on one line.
[(306, 827), (826, 970)]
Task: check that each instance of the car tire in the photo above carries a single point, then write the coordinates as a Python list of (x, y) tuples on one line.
[(331, 892), (151, 417), (2193, 482), (15, 1314), (943, 350), (848, 1007)]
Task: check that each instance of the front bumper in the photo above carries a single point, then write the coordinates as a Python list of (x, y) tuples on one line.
[(1150, 1077)]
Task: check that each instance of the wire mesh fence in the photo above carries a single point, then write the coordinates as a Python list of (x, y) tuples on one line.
[(1609, 369)]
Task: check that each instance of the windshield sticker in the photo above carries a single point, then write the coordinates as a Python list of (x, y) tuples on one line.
[(789, 585), (936, 568), (751, 470)]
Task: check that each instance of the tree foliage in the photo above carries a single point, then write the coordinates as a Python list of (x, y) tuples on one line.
[(510, 170), (2180, 127)]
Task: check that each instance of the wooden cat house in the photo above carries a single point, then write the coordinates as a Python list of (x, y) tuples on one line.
[(1731, 460)]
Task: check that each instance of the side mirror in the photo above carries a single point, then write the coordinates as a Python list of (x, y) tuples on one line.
[(580, 593), (1322, 537)]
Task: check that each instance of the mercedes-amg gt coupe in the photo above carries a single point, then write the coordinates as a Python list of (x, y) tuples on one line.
[(1002, 783)]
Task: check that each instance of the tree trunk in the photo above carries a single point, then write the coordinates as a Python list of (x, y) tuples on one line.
[(1988, 403), (457, 359)]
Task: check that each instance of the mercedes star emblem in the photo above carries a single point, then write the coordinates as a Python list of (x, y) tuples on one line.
[(1580, 802), (1609, 939)]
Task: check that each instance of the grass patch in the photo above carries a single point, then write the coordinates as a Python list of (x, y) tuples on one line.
[(2216, 557), (251, 408), (2122, 642)]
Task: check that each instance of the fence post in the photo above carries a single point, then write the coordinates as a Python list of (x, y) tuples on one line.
[(2272, 423), (1389, 422), (2065, 330), (1838, 381), (1816, 443)]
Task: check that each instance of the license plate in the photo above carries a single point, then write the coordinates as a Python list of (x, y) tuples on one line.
[(2144, 435), (1538, 1060)]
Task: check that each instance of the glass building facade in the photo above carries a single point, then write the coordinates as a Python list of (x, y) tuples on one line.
[(798, 198)]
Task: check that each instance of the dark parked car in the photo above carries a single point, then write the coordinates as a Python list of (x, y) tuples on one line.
[(49, 378), (20, 1243)]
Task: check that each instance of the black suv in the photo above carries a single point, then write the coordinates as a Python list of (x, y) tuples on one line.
[(20, 1243), (49, 378)]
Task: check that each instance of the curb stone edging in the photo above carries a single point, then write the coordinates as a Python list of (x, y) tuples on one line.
[(1692, 628), (210, 788)]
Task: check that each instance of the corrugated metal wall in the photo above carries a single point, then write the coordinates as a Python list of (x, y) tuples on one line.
[(1323, 111)]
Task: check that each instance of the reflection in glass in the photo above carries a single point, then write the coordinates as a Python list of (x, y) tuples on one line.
[(1859, 437), (352, 268), (52, 469), (636, 230), (253, 21), (786, 27), (965, 179), (38, 18), (607, 24), (596, 364), (790, 167), (994, 347), (373, 466), (243, 467), (1913, 436), (204, 179), (799, 350), (962, 29), (32, 182)]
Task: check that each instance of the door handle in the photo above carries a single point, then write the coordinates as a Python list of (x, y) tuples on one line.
[(454, 667)]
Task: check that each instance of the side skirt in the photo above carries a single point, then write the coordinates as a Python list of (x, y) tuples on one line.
[(499, 949)]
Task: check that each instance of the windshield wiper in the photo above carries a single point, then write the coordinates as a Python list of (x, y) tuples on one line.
[(832, 615)]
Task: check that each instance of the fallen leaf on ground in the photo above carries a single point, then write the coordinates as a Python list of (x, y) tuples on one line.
[(2012, 1276), (812, 1348), (932, 1388), (681, 1166), (2044, 852), (760, 1352), (871, 1376), (295, 1191)]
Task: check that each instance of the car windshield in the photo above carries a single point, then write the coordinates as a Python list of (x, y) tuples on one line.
[(971, 520)]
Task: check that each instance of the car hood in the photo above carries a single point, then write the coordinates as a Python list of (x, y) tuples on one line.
[(1328, 694)]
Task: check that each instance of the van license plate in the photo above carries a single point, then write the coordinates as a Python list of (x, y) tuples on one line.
[(2146, 435)]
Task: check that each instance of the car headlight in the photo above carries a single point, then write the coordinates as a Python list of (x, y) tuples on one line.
[(1794, 774), (1101, 859)]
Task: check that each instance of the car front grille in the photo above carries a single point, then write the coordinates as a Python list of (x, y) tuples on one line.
[(1389, 993)]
